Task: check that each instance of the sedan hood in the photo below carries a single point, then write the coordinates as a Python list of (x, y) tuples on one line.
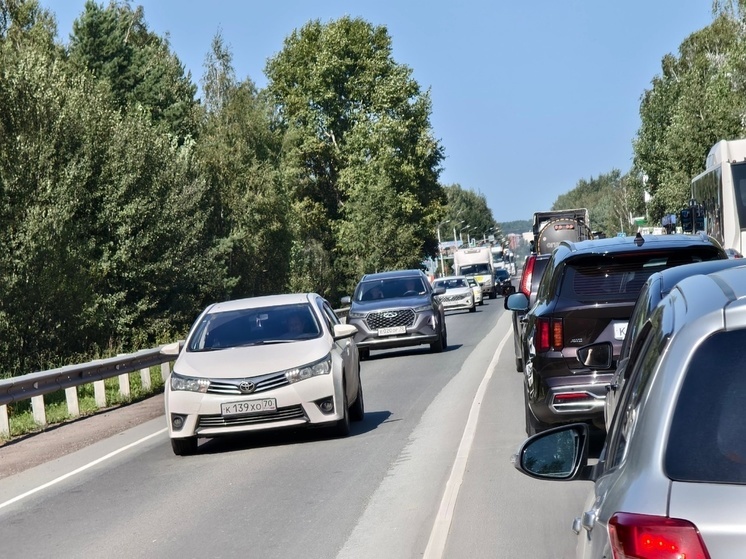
[(239, 362)]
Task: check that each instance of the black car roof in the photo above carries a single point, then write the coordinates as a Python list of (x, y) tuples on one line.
[(671, 276), (618, 244)]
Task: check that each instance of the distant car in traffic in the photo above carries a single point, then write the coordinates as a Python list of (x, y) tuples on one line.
[(733, 253), (477, 289), (282, 361), (397, 309), (504, 282), (671, 479), (459, 294)]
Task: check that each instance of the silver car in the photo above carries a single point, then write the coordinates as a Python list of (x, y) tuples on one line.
[(671, 479)]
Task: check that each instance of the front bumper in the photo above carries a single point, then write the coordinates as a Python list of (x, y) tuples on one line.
[(297, 405)]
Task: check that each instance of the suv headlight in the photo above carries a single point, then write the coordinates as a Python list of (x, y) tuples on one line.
[(320, 367), (356, 314), (422, 308), (190, 384)]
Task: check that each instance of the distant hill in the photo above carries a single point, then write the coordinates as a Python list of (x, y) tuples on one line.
[(519, 227)]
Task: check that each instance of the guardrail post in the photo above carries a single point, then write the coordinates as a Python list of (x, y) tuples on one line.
[(71, 395), (165, 370), (145, 379), (99, 392), (124, 385), (4, 423), (37, 408)]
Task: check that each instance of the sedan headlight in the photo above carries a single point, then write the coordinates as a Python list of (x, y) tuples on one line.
[(320, 367), (190, 384)]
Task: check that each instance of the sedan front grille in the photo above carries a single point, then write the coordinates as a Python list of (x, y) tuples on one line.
[(388, 318), (282, 414), (261, 384), (456, 297)]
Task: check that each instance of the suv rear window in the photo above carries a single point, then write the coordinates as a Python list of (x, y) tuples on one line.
[(619, 277), (708, 432)]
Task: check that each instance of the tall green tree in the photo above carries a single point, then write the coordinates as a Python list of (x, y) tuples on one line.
[(466, 208), (698, 99), (359, 157), (238, 154), (114, 44)]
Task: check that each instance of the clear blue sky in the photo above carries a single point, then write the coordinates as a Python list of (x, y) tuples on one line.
[(528, 97)]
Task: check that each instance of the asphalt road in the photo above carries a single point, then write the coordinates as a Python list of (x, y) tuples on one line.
[(427, 473)]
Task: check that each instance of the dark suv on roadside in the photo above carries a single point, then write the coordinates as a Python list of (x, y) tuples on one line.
[(533, 269), (586, 295), (397, 309)]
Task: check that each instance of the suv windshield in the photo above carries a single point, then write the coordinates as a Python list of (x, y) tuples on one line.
[(389, 289)]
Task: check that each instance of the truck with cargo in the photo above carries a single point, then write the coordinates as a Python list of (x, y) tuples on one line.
[(554, 226), (477, 263)]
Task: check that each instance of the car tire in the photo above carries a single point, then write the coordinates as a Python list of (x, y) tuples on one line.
[(493, 294), (473, 308), (481, 302), (357, 410), (519, 364), (442, 342), (184, 447), (342, 427), (363, 354), (533, 425)]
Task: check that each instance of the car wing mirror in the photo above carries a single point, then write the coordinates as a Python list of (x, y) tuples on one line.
[(596, 356), (516, 302), (346, 300), (559, 454), (344, 331)]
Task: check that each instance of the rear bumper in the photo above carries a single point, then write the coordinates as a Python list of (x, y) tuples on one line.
[(566, 399)]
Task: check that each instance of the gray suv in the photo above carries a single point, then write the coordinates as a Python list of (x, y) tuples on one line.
[(397, 309)]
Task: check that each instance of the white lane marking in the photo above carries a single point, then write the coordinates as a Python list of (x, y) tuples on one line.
[(439, 535), (81, 469)]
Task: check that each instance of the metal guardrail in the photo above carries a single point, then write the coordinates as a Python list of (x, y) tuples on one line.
[(35, 386)]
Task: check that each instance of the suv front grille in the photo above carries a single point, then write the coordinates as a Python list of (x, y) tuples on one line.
[(388, 318)]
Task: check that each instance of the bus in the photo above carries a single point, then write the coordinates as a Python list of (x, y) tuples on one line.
[(718, 204)]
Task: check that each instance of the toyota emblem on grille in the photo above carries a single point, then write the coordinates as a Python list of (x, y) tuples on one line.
[(389, 315), (247, 387)]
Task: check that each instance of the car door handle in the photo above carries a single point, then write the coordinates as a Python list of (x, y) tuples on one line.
[(588, 520)]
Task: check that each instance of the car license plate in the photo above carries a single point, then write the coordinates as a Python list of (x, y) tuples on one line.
[(248, 407), (391, 330), (620, 330)]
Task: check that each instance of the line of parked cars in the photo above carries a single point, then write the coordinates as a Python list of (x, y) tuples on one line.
[(638, 340)]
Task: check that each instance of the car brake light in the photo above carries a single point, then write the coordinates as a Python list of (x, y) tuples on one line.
[(642, 536), (526, 279), (549, 334)]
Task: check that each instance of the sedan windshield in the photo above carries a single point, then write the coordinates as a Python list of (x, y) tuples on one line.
[(258, 326)]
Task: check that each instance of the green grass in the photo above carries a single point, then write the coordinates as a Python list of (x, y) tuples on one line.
[(21, 419)]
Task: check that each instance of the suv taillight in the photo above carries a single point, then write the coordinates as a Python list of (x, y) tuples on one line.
[(654, 537), (525, 287), (550, 334)]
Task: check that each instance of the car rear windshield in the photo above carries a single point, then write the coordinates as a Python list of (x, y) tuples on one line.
[(620, 277), (708, 431)]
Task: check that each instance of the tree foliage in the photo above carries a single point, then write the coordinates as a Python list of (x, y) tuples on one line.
[(360, 162)]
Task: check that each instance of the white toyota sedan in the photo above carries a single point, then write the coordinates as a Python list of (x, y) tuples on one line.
[(280, 361)]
